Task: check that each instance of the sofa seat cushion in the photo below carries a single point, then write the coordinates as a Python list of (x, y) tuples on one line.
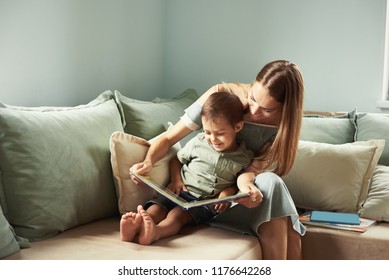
[(101, 240), (333, 244)]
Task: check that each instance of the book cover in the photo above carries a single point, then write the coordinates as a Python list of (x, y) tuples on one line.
[(335, 217), (362, 227), (180, 201)]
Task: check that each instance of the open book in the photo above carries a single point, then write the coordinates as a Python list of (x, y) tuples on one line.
[(180, 201)]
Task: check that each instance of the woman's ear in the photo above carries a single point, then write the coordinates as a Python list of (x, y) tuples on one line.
[(239, 126)]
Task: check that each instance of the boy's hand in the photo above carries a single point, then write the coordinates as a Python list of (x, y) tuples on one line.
[(177, 186), (223, 206)]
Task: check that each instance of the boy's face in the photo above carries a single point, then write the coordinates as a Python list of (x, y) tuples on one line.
[(220, 134)]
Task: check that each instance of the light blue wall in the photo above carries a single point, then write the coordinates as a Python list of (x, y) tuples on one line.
[(66, 52), (338, 45)]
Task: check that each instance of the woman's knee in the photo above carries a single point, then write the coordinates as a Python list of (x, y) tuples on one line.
[(268, 180)]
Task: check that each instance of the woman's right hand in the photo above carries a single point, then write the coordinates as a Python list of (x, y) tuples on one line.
[(142, 168)]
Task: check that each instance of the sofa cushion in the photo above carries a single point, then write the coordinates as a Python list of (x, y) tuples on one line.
[(55, 165), (374, 126), (126, 150), (148, 119), (333, 177), (100, 240), (377, 203), (333, 244)]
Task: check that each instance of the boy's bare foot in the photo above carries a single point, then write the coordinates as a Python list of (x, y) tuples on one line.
[(148, 232), (130, 225)]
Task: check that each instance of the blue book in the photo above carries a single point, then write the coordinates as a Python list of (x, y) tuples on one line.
[(335, 217)]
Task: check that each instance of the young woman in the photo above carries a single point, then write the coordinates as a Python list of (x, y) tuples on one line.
[(272, 114)]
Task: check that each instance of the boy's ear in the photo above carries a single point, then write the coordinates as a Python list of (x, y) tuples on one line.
[(239, 126)]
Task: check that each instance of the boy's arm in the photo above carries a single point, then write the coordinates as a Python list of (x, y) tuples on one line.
[(228, 191), (176, 184)]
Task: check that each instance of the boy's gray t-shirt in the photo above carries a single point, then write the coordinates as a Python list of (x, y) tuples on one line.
[(205, 171)]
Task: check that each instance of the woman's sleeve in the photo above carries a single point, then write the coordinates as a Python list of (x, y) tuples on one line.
[(192, 116)]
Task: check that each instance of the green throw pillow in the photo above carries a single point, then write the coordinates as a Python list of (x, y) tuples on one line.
[(8, 243), (55, 165), (147, 119), (374, 126), (376, 205), (331, 130)]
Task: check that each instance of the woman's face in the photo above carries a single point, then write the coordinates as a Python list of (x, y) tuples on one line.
[(263, 108)]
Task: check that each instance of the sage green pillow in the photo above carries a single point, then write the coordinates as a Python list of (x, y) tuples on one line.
[(8, 243), (377, 203), (55, 165), (374, 126), (147, 119), (331, 130)]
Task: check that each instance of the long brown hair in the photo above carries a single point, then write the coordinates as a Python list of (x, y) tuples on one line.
[(285, 84)]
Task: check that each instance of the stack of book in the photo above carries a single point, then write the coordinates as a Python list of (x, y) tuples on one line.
[(336, 220)]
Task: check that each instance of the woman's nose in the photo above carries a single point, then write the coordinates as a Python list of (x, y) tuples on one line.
[(256, 110)]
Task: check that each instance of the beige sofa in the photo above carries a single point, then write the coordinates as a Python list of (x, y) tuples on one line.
[(64, 184)]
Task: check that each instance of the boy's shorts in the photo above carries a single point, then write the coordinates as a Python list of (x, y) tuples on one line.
[(199, 214)]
